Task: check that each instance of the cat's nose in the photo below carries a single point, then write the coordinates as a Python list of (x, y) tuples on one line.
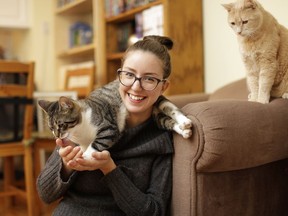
[(56, 134)]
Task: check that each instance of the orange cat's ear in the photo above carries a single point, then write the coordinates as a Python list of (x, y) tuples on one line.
[(250, 4), (228, 7)]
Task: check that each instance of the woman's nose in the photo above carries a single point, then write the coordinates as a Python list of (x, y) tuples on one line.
[(136, 85)]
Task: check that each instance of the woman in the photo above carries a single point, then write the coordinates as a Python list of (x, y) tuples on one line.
[(135, 176)]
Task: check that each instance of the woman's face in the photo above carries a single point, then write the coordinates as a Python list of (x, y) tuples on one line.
[(138, 101)]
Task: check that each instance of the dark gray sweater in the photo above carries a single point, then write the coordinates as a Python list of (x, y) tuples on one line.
[(140, 185)]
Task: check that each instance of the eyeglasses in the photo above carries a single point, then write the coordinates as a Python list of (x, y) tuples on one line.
[(148, 83)]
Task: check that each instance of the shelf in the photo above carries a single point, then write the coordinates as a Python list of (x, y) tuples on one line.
[(75, 7), (77, 51), (115, 56), (129, 15)]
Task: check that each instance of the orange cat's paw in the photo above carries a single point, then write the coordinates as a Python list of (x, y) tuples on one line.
[(285, 96), (264, 99), (252, 97)]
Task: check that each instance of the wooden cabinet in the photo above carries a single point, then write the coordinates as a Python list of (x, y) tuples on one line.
[(183, 23), (14, 14)]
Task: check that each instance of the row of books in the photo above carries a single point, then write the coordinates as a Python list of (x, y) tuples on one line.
[(80, 33), (115, 7), (148, 22)]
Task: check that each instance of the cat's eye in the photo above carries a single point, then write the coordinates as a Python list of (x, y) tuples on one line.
[(70, 122), (245, 22), (232, 23)]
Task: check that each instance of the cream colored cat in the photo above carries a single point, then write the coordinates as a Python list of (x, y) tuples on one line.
[(263, 44)]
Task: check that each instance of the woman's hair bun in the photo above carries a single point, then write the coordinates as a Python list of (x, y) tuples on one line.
[(165, 41)]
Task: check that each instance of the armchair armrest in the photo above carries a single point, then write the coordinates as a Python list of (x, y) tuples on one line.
[(233, 134), (181, 100)]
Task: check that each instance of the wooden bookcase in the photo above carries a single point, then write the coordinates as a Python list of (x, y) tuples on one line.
[(88, 11), (183, 23)]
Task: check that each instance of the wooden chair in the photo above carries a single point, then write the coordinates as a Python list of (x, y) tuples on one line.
[(82, 88), (19, 95)]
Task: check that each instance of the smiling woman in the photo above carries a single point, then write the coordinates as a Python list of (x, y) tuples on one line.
[(134, 157)]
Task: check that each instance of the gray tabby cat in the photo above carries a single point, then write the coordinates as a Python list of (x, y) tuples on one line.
[(263, 45), (97, 121)]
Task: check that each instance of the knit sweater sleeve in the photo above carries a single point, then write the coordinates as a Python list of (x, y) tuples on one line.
[(154, 200), (50, 185)]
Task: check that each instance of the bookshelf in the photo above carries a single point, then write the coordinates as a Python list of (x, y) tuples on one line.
[(182, 21), (89, 12)]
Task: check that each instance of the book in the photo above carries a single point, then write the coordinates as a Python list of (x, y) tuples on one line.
[(153, 21)]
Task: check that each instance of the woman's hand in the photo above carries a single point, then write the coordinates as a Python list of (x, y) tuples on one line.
[(68, 151), (72, 159), (100, 160)]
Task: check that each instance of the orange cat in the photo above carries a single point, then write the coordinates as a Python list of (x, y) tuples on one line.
[(263, 44)]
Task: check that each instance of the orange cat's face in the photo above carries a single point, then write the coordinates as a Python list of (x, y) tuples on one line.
[(245, 17)]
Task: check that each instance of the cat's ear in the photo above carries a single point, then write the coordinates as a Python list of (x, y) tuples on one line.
[(250, 4), (228, 7), (65, 103), (44, 104)]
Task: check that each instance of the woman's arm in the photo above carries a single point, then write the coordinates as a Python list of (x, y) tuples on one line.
[(50, 184), (57, 175)]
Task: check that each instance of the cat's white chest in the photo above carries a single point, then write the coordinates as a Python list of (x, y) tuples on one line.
[(85, 132)]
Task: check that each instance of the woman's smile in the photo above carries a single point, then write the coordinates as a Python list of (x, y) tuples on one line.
[(135, 97)]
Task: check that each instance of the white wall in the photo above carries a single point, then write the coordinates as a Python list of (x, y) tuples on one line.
[(221, 55), (35, 43)]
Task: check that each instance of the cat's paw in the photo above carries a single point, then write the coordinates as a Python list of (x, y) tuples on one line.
[(285, 96), (263, 100), (185, 133), (252, 97), (184, 123), (87, 155)]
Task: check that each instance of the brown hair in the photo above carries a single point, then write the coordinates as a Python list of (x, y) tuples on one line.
[(159, 46)]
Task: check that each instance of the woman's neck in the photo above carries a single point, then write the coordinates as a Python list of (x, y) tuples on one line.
[(135, 120)]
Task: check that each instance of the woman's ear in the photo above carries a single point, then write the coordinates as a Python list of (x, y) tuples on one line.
[(165, 85)]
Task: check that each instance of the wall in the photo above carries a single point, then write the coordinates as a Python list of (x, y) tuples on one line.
[(221, 55), (35, 43)]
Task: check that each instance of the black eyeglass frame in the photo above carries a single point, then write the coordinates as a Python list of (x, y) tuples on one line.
[(139, 78)]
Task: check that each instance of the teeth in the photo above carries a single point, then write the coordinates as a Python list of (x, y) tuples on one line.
[(133, 97)]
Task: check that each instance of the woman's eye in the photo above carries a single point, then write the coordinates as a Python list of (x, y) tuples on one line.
[(245, 22), (129, 75), (149, 79)]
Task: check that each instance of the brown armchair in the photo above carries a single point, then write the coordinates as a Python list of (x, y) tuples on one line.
[(235, 164)]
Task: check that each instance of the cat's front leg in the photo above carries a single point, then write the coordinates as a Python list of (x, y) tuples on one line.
[(265, 86), (253, 86)]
